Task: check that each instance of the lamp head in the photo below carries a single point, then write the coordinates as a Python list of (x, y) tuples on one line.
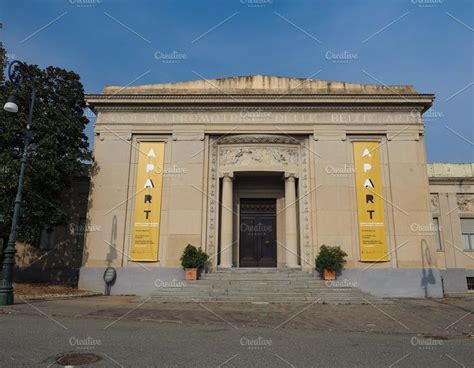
[(11, 105)]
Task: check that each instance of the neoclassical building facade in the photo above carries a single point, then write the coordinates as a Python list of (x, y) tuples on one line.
[(261, 171)]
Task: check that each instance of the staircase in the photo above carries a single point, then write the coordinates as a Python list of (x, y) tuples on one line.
[(263, 285)]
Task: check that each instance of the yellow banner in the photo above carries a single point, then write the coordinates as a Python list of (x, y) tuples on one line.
[(370, 207), (147, 214)]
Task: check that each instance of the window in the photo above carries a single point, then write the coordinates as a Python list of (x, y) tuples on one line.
[(470, 283), (80, 235), (47, 238), (436, 233), (467, 229)]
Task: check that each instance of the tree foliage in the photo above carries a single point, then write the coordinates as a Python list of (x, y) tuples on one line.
[(59, 150)]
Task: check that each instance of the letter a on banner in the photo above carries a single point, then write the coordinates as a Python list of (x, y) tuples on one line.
[(147, 211), (370, 207)]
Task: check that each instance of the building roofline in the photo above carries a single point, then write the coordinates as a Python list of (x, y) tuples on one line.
[(329, 101)]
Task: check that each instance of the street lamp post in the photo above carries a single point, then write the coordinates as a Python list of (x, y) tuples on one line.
[(17, 73)]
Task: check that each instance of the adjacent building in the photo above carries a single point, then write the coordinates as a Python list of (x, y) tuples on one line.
[(56, 257)]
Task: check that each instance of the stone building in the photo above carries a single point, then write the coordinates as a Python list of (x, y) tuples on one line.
[(261, 171), (452, 205)]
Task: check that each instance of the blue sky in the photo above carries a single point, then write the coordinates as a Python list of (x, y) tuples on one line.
[(393, 42)]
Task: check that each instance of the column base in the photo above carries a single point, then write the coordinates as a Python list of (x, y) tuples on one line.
[(220, 267)]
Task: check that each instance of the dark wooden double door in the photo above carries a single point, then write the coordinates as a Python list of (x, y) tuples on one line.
[(257, 233)]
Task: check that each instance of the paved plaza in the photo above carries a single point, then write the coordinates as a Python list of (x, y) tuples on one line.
[(130, 331)]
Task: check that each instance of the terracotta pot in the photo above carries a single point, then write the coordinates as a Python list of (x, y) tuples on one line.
[(191, 273), (329, 275)]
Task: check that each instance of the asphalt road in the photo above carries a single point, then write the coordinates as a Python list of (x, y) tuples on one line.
[(38, 340)]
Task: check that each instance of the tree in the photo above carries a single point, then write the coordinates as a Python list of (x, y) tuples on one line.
[(59, 150)]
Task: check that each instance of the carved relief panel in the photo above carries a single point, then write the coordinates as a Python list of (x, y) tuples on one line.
[(434, 203), (466, 202), (263, 157)]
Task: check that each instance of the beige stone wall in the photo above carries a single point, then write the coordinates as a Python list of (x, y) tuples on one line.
[(113, 191), (405, 192), (329, 196), (108, 198), (410, 203)]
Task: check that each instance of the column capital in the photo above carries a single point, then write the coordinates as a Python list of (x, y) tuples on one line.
[(227, 174), (290, 175)]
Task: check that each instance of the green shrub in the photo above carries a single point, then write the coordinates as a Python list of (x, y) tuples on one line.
[(193, 257), (330, 258)]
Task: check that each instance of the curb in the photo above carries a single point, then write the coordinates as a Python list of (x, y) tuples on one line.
[(25, 299)]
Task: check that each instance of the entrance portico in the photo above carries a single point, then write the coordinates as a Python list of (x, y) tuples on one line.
[(258, 220), (258, 166)]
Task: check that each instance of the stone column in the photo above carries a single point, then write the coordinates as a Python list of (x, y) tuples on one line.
[(226, 220), (291, 239)]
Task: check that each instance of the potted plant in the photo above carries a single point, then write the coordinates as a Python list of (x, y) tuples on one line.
[(329, 261), (192, 260)]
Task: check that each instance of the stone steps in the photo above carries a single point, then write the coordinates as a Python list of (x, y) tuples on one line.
[(288, 292), (257, 283), (251, 289), (253, 270), (256, 275), (262, 286), (293, 299)]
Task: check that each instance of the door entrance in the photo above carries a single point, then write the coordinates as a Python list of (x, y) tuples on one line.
[(257, 232)]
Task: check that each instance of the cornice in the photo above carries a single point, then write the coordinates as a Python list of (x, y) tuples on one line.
[(442, 180), (273, 96), (282, 102), (327, 108)]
